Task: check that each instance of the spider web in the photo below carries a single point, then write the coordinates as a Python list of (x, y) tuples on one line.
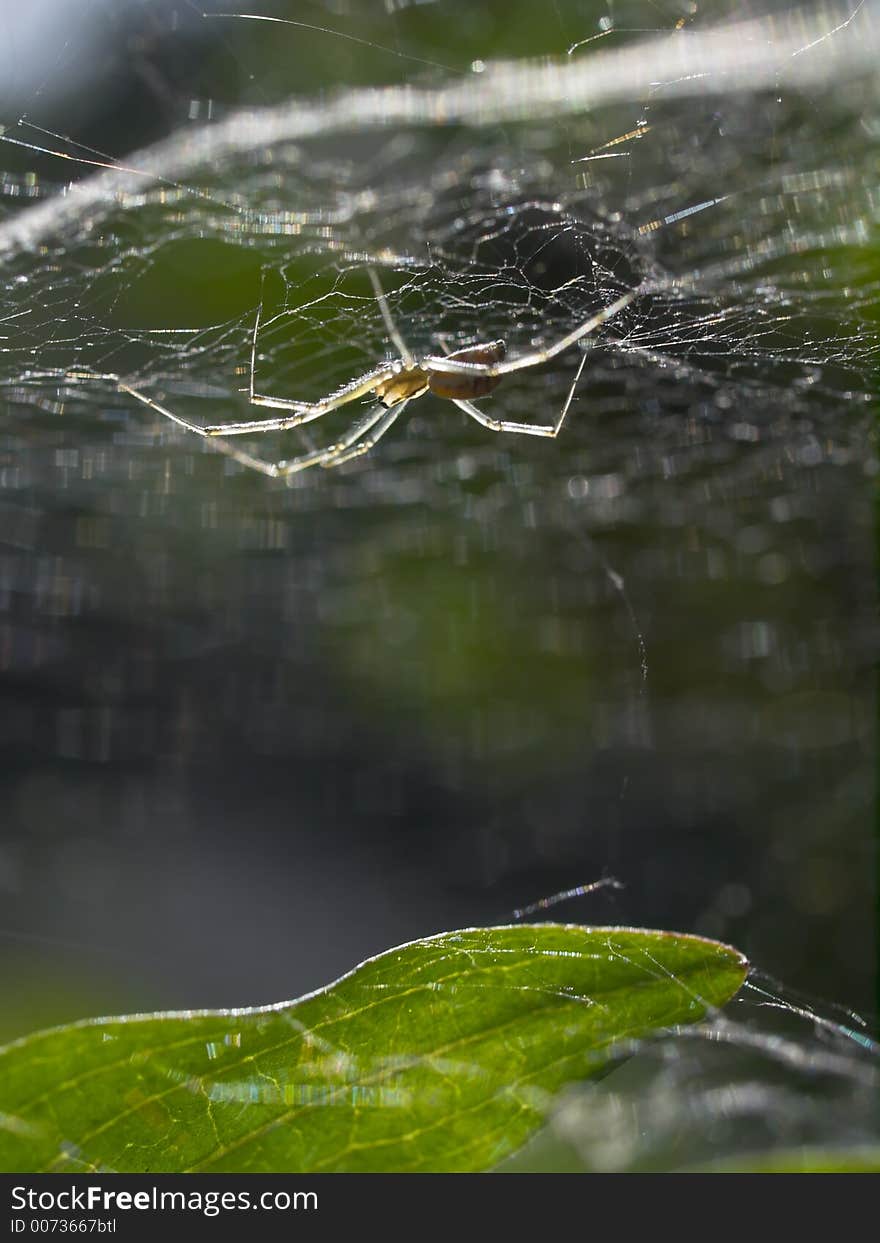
[(771, 1090), (712, 203)]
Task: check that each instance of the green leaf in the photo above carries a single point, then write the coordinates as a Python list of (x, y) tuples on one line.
[(439, 1055)]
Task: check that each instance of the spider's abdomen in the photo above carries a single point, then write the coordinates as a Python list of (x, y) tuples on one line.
[(467, 385)]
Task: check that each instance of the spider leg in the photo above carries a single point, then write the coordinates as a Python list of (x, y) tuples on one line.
[(255, 398), (341, 450), (304, 411), (237, 455), (570, 398), (380, 427), (529, 429), (330, 455), (504, 425), (257, 319), (536, 357), (393, 331)]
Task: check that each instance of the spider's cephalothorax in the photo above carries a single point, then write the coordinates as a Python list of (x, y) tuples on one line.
[(469, 373), (409, 382)]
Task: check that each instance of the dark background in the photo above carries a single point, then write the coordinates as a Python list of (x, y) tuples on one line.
[(251, 734)]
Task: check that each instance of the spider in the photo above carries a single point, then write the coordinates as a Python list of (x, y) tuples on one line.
[(461, 376)]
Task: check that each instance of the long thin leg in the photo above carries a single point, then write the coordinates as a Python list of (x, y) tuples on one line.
[(364, 446), (257, 319), (313, 410), (305, 411), (536, 357), (557, 427), (331, 455), (503, 425), (393, 330), (528, 429), (378, 417), (238, 455)]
